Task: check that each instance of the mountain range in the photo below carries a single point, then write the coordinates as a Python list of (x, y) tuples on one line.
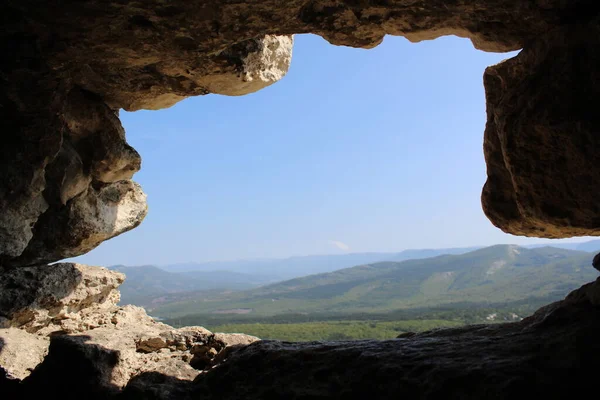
[(294, 267), (493, 275), (148, 284)]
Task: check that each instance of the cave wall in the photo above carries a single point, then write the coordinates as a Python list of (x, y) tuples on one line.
[(542, 141)]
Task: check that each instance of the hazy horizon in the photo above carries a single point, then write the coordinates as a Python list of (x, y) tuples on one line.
[(353, 151), (548, 242)]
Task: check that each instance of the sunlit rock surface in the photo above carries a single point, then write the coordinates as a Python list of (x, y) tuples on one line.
[(66, 317), (92, 217)]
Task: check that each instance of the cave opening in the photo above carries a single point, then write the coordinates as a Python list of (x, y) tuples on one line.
[(285, 167), (65, 187), (227, 148)]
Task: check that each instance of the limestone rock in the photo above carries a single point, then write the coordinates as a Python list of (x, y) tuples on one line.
[(95, 131), (21, 352), (234, 339), (131, 343), (149, 345), (265, 61), (17, 220), (589, 292), (596, 261), (89, 219), (70, 312), (67, 172), (154, 385), (30, 141), (64, 188), (121, 360), (541, 143), (162, 49), (154, 54), (241, 69), (68, 147), (34, 297)]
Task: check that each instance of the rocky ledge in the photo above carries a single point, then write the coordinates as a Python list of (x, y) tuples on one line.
[(64, 336), (66, 319)]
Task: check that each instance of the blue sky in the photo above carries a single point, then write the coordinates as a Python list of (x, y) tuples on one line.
[(354, 150)]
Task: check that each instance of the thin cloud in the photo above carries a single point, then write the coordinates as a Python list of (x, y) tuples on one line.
[(340, 245)]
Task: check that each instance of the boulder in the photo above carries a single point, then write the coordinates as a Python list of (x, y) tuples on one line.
[(21, 352), (92, 217), (65, 319), (541, 143), (33, 298)]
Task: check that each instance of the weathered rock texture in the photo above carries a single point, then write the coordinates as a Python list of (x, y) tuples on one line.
[(542, 141), (21, 352), (34, 298), (85, 222), (67, 318)]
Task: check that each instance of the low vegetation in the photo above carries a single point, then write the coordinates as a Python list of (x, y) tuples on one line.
[(335, 330), (309, 327)]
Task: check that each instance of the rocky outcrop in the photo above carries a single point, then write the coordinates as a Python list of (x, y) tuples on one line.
[(66, 317), (155, 54), (541, 140), (34, 298), (86, 221), (21, 352), (64, 150), (242, 69)]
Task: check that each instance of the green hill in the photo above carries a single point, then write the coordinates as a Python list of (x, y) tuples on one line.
[(489, 276), (148, 285), (294, 267)]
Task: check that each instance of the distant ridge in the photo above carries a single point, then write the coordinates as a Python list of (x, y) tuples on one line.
[(293, 267), (490, 275), (153, 286)]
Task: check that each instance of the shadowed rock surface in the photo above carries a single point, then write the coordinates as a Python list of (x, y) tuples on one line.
[(86, 221), (553, 354), (541, 140)]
